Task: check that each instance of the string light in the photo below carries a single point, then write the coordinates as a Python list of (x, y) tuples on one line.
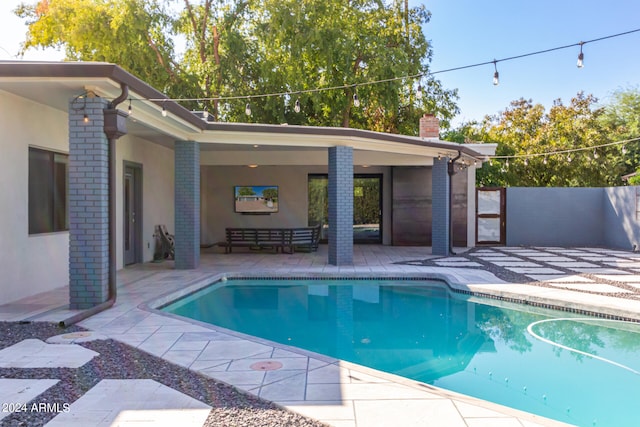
[(496, 75), (164, 111), (296, 108), (580, 62), (356, 101), (130, 109), (544, 161), (568, 158), (595, 154), (571, 150), (247, 109), (526, 161), (414, 76), (419, 91), (85, 118), (205, 114)]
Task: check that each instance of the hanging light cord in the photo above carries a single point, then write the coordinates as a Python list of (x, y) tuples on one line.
[(569, 150), (392, 79)]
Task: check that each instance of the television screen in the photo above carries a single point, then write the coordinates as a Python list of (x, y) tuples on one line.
[(256, 198)]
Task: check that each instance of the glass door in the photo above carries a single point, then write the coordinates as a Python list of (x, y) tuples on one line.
[(367, 206)]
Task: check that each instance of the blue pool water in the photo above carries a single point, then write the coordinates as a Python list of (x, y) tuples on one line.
[(582, 371)]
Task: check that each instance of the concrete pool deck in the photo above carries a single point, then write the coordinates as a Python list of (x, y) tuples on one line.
[(336, 392)]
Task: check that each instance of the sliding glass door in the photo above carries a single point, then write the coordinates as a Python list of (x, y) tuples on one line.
[(367, 206)]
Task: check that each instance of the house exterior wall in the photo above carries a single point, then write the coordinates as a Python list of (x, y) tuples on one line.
[(157, 190), (217, 182), (50, 251), (37, 263), (555, 216)]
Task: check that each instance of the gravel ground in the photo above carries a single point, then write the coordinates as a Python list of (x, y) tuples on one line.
[(231, 407)]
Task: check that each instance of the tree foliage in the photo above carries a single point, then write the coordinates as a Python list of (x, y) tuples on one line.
[(530, 133), (237, 48)]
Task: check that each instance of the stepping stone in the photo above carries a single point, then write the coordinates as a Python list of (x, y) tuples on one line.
[(574, 264), (515, 264), (551, 258), (598, 270), (632, 278), (500, 258), (592, 287), (559, 278), (458, 264), (624, 264), (33, 353), (532, 270), (17, 392), (133, 403)]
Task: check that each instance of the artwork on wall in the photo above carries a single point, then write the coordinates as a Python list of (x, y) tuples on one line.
[(256, 199)]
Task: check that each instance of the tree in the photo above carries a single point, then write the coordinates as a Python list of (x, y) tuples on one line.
[(246, 191), (248, 47), (622, 115), (531, 134)]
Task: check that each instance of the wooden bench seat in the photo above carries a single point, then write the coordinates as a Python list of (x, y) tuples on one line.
[(281, 239)]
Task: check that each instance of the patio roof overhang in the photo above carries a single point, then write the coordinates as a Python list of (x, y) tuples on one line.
[(55, 83)]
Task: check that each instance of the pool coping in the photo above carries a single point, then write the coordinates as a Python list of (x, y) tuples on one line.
[(448, 280)]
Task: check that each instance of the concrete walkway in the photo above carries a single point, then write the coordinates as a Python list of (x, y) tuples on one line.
[(333, 391)]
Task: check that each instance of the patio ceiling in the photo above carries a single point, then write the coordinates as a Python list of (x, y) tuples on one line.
[(54, 84)]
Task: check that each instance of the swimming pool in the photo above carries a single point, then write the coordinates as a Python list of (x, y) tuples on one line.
[(572, 368)]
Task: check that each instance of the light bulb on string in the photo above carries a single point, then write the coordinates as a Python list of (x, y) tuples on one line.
[(624, 149), (526, 161), (164, 111), (506, 164), (356, 101), (568, 158), (580, 62), (419, 91), (205, 114), (129, 110), (247, 109), (595, 154), (85, 118), (496, 75), (296, 107), (544, 161)]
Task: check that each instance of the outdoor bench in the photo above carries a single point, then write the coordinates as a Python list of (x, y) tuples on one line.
[(281, 239)]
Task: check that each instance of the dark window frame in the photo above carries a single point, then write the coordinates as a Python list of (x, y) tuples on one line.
[(48, 191)]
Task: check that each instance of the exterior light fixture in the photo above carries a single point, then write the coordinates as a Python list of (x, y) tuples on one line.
[(356, 101), (580, 62)]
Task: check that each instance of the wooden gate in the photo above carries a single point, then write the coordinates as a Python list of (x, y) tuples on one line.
[(491, 223)]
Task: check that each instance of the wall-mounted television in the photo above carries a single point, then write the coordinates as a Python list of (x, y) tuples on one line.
[(256, 199)]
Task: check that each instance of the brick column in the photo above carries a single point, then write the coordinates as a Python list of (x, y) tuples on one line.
[(341, 205), (440, 207), (88, 204), (187, 205)]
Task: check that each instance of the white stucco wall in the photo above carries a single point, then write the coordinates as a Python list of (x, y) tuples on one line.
[(28, 264), (157, 189)]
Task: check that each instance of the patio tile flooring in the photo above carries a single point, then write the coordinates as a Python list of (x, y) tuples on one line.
[(336, 392)]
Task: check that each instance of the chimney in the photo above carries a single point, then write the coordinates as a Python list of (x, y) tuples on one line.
[(429, 126)]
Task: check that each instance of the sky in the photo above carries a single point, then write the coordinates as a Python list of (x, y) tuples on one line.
[(465, 32)]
